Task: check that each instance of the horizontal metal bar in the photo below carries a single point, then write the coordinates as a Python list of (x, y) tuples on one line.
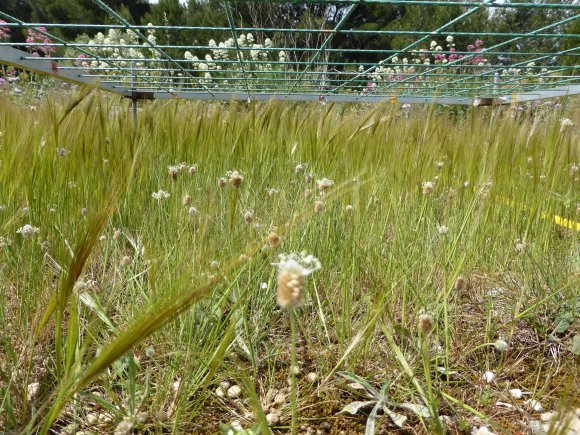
[(290, 30), (401, 52), (13, 57)]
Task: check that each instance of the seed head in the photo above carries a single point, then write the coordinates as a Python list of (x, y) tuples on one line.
[(248, 216), (192, 211), (222, 182), (186, 200), (117, 235), (292, 272), (273, 239), (32, 390), (566, 125), (318, 206), (126, 260), (235, 178), (425, 323), (173, 171), (324, 184), (349, 209), (301, 167), (427, 187), (460, 283), (192, 170)]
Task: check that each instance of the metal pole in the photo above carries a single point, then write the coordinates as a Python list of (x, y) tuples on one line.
[(133, 100)]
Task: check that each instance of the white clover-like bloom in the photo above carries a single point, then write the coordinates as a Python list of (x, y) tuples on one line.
[(442, 230), (433, 44), (188, 55), (449, 39), (27, 230), (268, 43), (192, 211), (427, 187), (272, 191), (566, 125), (248, 216), (324, 183), (292, 272), (300, 167), (160, 195)]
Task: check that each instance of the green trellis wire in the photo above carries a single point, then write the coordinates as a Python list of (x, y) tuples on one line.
[(170, 73)]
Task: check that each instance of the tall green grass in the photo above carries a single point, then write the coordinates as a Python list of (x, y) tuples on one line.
[(157, 335)]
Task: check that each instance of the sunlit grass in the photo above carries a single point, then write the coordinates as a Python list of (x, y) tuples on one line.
[(150, 278)]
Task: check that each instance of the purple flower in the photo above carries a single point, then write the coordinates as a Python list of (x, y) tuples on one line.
[(2, 81)]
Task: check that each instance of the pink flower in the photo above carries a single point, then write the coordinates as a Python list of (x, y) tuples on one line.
[(478, 42), (470, 47)]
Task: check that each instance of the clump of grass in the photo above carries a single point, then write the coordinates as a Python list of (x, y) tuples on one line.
[(134, 288)]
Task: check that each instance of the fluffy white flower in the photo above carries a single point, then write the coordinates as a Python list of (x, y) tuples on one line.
[(27, 230), (161, 195)]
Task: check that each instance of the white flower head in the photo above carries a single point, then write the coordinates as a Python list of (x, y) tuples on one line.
[(292, 272), (300, 167), (27, 230), (324, 184), (442, 230), (427, 187), (160, 195), (566, 125)]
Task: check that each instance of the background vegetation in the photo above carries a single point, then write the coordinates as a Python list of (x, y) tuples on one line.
[(122, 311)]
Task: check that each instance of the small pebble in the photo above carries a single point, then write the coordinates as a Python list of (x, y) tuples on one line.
[(488, 377), (92, 419), (273, 419), (534, 404), (234, 391), (516, 393), (312, 377), (142, 418)]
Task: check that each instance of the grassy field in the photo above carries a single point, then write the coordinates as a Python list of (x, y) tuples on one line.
[(142, 288)]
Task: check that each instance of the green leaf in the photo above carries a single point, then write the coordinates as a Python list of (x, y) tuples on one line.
[(397, 418), (354, 407), (420, 410), (575, 346), (364, 383)]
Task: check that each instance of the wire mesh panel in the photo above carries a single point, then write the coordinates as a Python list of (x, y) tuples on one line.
[(450, 62)]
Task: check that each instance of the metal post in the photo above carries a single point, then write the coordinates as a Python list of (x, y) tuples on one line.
[(133, 100)]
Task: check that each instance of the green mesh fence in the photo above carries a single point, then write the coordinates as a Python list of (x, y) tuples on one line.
[(312, 63)]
